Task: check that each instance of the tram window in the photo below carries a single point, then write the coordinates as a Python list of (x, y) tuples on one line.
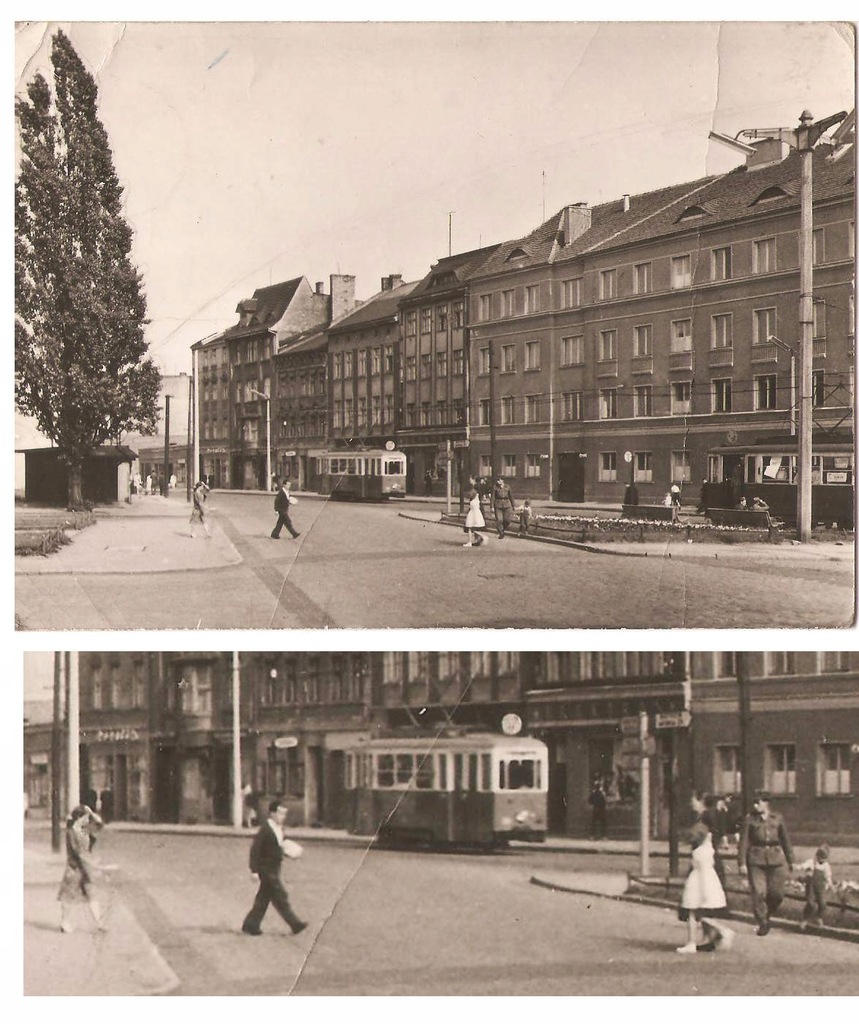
[(458, 771), (349, 781), (385, 771), (442, 771), (352, 467), (424, 772), (518, 775), (472, 772), (393, 467), (404, 769), (486, 771)]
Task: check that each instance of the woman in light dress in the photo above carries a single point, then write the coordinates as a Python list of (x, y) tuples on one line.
[(474, 521), (77, 885), (703, 899)]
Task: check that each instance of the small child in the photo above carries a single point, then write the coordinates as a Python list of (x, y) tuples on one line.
[(818, 879), (524, 517)]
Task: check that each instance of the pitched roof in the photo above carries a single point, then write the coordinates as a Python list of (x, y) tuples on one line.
[(378, 307), (451, 271), (271, 303)]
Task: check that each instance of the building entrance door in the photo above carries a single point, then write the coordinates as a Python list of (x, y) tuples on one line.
[(571, 477)]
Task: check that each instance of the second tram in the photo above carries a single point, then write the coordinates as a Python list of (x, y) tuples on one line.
[(369, 475), (466, 790)]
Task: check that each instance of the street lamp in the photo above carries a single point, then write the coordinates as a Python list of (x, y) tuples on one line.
[(803, 140), (254, 391)]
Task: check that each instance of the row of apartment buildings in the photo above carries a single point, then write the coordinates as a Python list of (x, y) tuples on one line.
[(156, 728), (664, 325)]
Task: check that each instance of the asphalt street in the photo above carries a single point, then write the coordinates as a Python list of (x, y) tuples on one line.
[(393, 923), (397, 565)]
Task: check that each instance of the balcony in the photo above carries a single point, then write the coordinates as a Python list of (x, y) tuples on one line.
[(764, 353), (607, 368), (642, 364), (721, 357), (680, 360)]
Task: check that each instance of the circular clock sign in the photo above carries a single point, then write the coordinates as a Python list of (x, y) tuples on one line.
[(511, 725)]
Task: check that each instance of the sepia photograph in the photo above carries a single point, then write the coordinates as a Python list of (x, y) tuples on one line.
[(497, 823), (308, 313)]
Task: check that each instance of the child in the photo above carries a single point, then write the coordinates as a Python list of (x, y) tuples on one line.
[(818, 879), (524, 518)]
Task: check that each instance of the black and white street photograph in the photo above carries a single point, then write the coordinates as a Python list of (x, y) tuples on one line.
[(406, 324), (320, 823)]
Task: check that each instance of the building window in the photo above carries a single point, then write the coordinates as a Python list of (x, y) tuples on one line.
[(441, 318), (426, 414), (458, 362), (765, 391), (818, 250), (722, 331), (781, 663), (532, 355), (681, 467), (642, 278), (681, 271), (387, 410), (426, 365), (376, 409), (608, 404), (572, 351), (727, 777), (338, 417), (411, 323), (572, 293), (833, 769), (721, 264), (642, 338), (532, 298), (532, 408), (726, 664), (643, 400), (573, 405), (483, 412), (508, 466), (818, 394), (722, 396), (818, 314), (347, 413), (764, 325), (508, 358), (681, 397), (532, 466), (508, 411), (458, 314), (681, 335), (780, 768), (608, 284), (362, 411), (763, 256), (643, 470), (836, 661), (508, 302), (483, 361), (608, 467), (347, 364), (411, 414), (362, 363), (608, 345), (376, 362), (411, 368), (426, 321), (484, 307), (485, 466), (441, 364)]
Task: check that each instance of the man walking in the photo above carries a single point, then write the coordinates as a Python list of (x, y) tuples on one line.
[(267, 851), (766, 854), (502, 500), (282, 501)]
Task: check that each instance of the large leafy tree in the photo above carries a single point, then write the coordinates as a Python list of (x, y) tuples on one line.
[(81, 364)]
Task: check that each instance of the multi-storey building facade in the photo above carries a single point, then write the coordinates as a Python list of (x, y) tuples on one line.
[(662, 325), (363, 369), (212, 375), (156, 729), (433, 421)]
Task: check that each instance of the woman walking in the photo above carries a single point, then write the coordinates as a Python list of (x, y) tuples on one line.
[(77, 883), (474, 521), (703, 898), (198, 512)]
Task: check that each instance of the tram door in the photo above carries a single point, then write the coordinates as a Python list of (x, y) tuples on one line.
[(571, 477), (470, 809)]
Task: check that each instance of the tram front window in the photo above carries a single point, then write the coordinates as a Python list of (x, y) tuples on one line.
[(519, 774)]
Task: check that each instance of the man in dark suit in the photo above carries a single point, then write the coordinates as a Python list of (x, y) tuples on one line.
[(766, 854), (282, 501), (267, 852)]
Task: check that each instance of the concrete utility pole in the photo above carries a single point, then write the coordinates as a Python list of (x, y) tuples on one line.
[(74, 729), (803, 140), (196, 474), (495, 470), (165, 490), (237, 739), (745, 708), (56, 754), (644, 867)]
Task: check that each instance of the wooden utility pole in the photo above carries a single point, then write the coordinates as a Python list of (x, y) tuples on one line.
[(56, 754), (164, 487)]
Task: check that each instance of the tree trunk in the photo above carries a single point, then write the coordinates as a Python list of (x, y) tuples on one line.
[(76, 499)]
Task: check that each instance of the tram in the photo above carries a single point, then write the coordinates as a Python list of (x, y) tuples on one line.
[(478, 790), (767, 469), (369, 475)]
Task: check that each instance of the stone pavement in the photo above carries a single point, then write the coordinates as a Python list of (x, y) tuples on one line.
[(119, 961)]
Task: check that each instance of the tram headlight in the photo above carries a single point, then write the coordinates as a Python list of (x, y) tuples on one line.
[(522, 817)]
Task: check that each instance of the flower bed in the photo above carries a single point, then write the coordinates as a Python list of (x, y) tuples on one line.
[(594, 529)]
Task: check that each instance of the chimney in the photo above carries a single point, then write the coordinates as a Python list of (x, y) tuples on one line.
[(767, 152), (625, 202), (391, 282), (576, 221), (320, 287), (342, 294)]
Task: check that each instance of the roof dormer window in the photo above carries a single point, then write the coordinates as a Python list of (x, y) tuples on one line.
[(692, 213), (516, 254), (770, 194)]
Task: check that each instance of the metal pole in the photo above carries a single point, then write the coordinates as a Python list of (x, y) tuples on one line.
[(73, 750), (806, 317), (164, 488), (197, 474), (237, 750), (492, 413), (268, 443), (744, 704), (644, 868), (449, 467), (188, 451), (56, 754)]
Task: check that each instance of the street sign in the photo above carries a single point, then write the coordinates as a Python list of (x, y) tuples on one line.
[(627, 456), (630, 725), (461, 444), (285, 742), (290, 454), (673, 720)]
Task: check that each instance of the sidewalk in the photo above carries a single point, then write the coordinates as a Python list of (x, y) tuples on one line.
[(121, 961)]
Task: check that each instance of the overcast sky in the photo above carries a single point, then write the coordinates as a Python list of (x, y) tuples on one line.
[(253, 153)]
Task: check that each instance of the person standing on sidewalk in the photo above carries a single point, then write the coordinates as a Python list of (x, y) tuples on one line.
[(268, 849), (78, 881), (198, 512), (599, 804), (703, 898), (283, 499), (502, 501), (474, 521), (766, 855)]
